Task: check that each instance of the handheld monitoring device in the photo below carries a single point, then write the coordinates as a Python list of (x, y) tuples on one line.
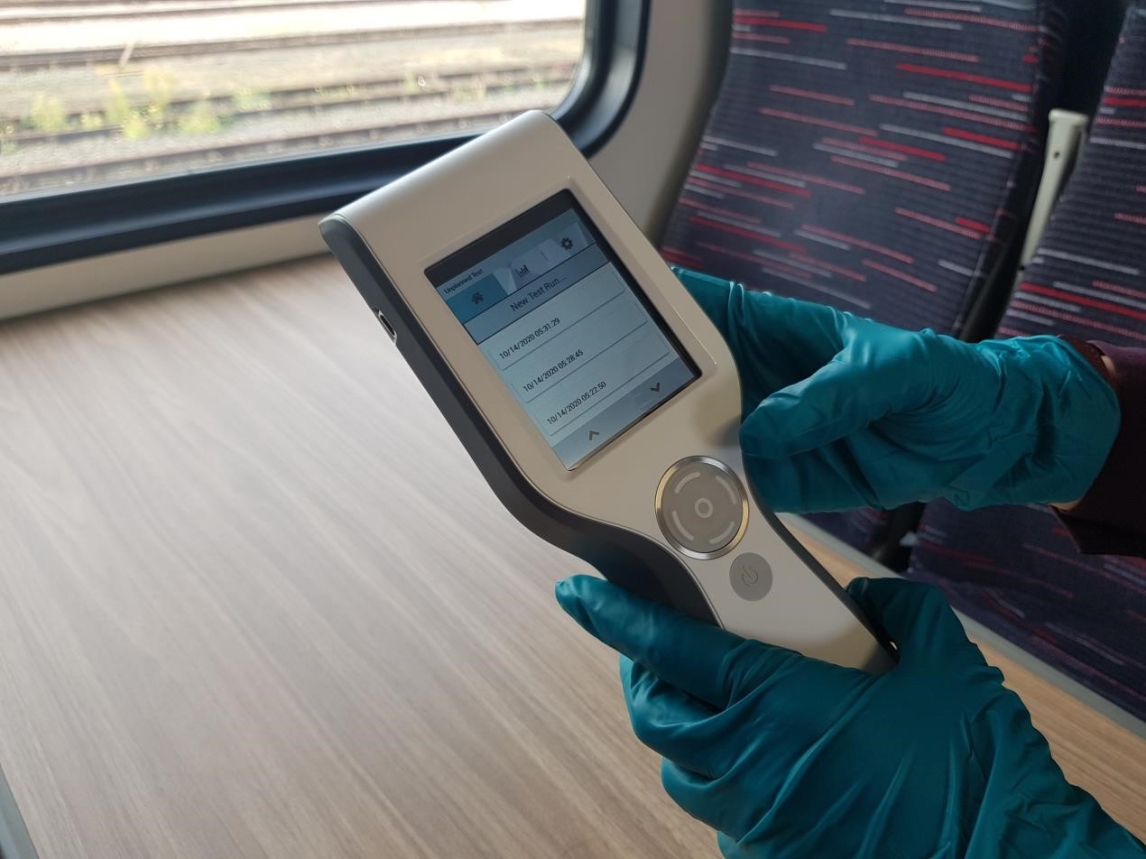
[(592, 392)]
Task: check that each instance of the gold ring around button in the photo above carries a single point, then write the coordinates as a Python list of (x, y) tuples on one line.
[(684, 550)]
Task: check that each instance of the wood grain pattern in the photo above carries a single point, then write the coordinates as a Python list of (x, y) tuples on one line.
[(256, 601)]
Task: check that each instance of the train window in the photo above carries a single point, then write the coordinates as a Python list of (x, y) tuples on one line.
[(129, 122), (103, 91)]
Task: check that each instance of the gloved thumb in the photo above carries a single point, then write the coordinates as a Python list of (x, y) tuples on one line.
[(694, 657), (915, 616), (837, 400)]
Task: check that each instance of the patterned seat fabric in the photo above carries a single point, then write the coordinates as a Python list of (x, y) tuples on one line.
[(878, 157), (1016, 569)]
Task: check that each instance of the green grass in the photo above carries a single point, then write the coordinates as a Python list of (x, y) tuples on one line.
[(135, 127), (250, 101), (199, 120), (47, 114), (118, 109)]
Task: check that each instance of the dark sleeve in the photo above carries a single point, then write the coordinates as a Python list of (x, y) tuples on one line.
[(1111, 518)]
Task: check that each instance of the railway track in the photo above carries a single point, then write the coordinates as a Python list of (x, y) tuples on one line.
[(382, 91), (121, 55), (101, 10), (94, 172)]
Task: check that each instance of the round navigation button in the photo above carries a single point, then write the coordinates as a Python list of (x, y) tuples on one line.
[(751, 577), (701, 507)]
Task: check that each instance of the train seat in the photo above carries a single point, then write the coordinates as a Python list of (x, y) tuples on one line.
[(881, 159), (1016, 569)]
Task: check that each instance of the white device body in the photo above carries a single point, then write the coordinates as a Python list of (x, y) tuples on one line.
[(412, 224)]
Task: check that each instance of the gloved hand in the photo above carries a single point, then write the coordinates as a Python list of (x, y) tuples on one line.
[(842, 412), (787, 756)]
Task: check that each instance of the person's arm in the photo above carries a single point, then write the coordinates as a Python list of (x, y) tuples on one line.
[(1111, 518)]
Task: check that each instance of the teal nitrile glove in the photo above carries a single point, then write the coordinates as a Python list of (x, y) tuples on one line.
[(787, 756), (842, 412)]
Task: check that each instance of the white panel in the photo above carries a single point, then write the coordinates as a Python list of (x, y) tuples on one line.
[(157, 265)]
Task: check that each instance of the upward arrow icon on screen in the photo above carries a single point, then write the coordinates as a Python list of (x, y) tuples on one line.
[(656, 389)]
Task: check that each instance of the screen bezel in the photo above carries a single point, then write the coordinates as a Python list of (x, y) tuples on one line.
[(537, 216)]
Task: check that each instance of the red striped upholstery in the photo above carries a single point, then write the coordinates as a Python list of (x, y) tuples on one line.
[(1016, 569), (879, 157)]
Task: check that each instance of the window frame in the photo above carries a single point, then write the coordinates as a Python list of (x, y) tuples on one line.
[(71, 225)]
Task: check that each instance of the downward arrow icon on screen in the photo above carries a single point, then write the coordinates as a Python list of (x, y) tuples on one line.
[(656, 389)]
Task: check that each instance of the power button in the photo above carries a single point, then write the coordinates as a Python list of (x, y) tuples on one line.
[(750, 577)]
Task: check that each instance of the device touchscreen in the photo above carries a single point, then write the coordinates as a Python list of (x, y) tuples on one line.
[(562, 322)]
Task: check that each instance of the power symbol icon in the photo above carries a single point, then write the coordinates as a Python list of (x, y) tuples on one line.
[(750, 577)]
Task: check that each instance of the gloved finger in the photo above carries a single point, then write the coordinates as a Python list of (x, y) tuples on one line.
[(728, 846), (841, 398), (688, 790), (915, 616), (710, 801), (674, 725), (697, 658), (711, 293), (775, 341), (818, 481)]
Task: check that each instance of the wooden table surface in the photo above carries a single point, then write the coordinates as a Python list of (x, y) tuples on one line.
[(255, 601)]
